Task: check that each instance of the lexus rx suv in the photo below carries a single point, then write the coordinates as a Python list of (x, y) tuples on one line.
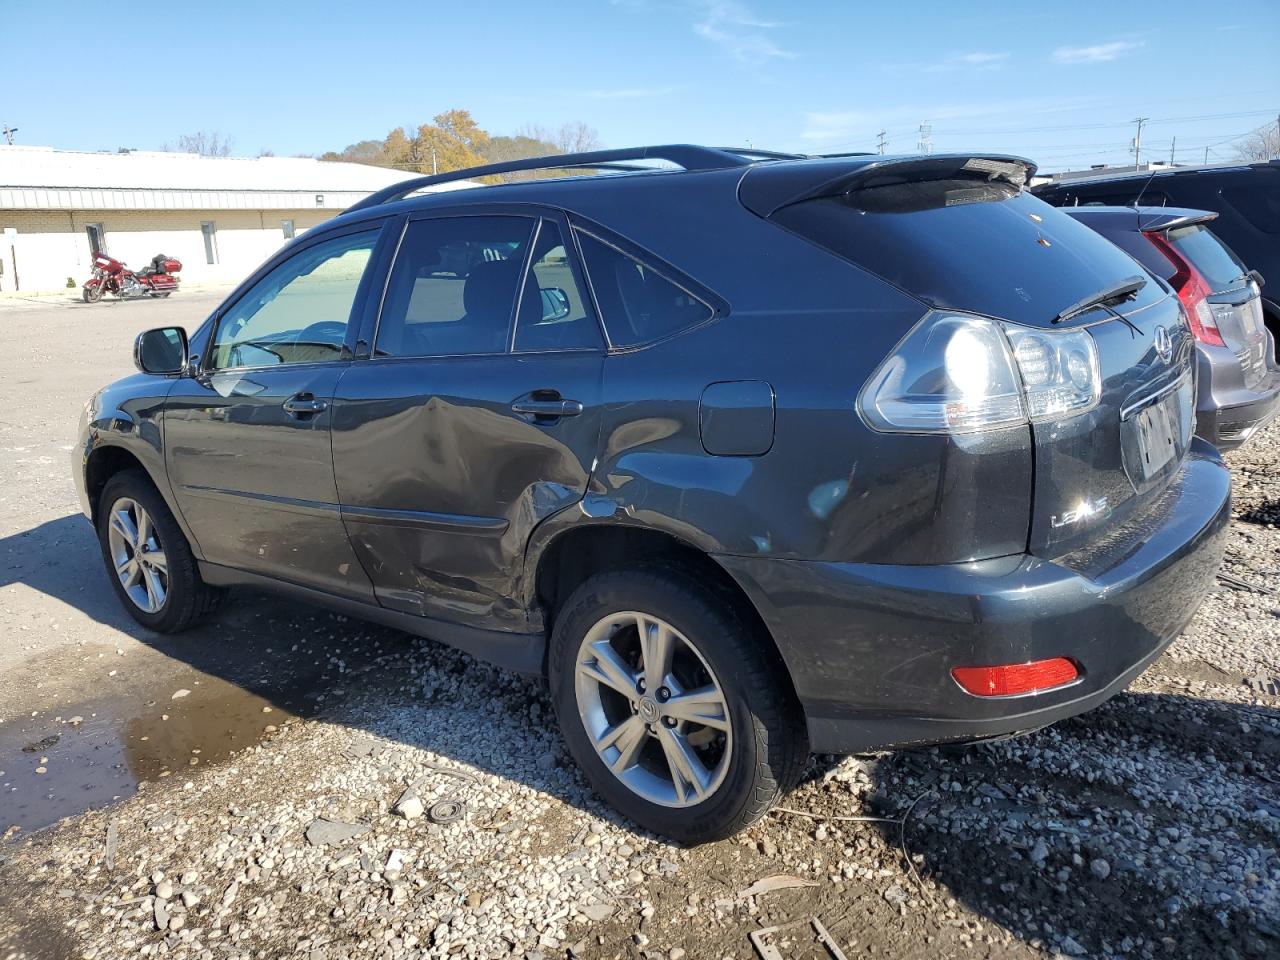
[(750, 455), (1239, 381)]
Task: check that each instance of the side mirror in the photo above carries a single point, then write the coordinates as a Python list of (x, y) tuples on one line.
[(555, 304), (162, 350)]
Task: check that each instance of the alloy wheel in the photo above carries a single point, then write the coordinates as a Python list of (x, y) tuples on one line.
[(137, 555), (653, 709)]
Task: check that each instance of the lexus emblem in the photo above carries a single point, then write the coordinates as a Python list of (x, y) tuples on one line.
[(1164, 344)]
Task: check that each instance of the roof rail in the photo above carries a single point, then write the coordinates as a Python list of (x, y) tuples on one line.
[(685, 155)]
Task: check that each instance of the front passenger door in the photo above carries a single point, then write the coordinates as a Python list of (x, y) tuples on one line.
[(247, 438)]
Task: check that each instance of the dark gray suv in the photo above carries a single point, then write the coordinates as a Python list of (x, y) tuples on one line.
[(752, 457)]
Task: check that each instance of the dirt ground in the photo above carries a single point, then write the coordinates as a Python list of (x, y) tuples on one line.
[(159, 796)]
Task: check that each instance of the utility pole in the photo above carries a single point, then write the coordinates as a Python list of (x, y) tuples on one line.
[(1137, 141), (883, 142), (926, 138), (8, 134), (1173, 149), (434, 171)]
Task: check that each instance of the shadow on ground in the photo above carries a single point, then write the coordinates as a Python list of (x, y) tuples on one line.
[(1146, 827)]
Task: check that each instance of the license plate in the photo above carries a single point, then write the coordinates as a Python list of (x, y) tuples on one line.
[(1163, 431)]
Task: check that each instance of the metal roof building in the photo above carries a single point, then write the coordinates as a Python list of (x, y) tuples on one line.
[(221, 216)]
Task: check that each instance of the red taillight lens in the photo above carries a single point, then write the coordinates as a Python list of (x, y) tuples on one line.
[(1014, 678), (1192, 291)]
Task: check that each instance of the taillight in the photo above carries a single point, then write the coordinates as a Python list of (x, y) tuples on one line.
[(1012, 679), (956, 373), (1193, 291)]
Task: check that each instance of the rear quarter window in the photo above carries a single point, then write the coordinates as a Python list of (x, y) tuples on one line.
[(637, 304)]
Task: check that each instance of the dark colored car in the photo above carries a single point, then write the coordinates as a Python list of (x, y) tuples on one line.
[(1239, 382), (752, 458), (1246, 199)]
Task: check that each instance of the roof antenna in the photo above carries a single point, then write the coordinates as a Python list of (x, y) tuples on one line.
[(1138, 199)]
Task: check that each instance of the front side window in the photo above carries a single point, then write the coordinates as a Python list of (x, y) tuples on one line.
[(553, 313), (299, 312), (637, 303), (453, 288)]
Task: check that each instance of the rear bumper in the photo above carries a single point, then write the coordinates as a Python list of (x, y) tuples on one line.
[(870, 647), (1227, 412)]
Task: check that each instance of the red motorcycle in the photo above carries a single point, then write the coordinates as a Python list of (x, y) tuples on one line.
[(112, 276)]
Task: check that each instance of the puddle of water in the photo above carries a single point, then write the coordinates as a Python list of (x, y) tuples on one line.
[(90, 754)]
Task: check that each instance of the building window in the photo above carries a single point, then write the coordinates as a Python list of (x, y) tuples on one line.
[(210, 241), (319, 199), (97, 238), (286, 227)]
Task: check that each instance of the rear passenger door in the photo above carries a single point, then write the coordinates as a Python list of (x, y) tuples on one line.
[(475, 415)]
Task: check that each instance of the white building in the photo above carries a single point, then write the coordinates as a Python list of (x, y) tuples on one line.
[(221, 216)]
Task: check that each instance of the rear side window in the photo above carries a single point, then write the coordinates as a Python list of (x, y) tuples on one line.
[(966, 242), (637, 303), (1207, 254), (452, 291), (553, 313)]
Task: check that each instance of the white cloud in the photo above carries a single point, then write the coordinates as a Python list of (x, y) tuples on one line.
[(738, 32), (977, 60), (1098, 53)]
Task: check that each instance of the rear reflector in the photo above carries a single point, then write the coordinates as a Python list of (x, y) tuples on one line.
[(1012, 679)]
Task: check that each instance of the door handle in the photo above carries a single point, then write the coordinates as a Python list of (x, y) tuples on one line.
[(304, 405), (547, 409)]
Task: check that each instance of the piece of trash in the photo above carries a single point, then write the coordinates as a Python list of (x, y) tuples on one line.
[(360, 747), (795, 938), (395, 862), (409, 805), (779, 881), (113, 844), (179, 694), (323, 833), (1239, 583)]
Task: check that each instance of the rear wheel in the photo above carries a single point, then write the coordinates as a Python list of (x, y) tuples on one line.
[(148, 559), (671, 705)]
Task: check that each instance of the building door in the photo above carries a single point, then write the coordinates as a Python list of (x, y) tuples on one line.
[(97, 239), (247, 438), (210, 241)]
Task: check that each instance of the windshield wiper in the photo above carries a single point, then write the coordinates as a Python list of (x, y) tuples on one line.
[(1107, 296)]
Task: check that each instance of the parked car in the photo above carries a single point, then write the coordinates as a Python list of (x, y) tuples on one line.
[(1239, 381), (1246, 198), (829, 454)]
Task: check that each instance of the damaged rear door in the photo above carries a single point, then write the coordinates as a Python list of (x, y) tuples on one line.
[(474, 417)]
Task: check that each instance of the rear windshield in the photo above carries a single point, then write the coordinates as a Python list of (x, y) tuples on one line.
[(1207, 254), (968, 243)]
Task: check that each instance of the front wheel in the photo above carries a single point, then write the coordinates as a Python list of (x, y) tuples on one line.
[(673, 705), (147, 557), (91, 294)]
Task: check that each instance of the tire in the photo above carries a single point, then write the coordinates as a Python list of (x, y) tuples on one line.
[(181, 597), (91, 294), (756, 756)]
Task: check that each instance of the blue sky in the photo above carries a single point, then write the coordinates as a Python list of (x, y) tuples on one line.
[(1059, 85)]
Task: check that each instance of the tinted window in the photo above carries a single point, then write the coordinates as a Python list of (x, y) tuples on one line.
[(1207, 254), (1256, 203), (638, 304), (453, 287), (553, 314), (299, 312), (966, 243)]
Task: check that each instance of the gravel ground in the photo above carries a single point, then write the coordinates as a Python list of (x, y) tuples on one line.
[(1147, 828)]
